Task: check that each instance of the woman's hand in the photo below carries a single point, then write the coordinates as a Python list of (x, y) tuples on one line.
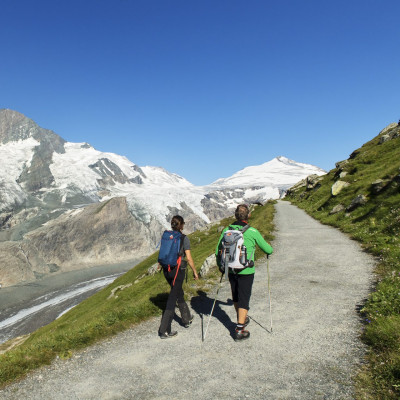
[(191, 263)]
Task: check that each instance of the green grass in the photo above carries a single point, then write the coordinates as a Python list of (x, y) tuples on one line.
[(376, 225), (100, 317)]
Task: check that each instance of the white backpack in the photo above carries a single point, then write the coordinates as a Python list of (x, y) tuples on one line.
[(232, 253)]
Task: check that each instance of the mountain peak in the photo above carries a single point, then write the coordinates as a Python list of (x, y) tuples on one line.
[(276, 172), (14, 126)]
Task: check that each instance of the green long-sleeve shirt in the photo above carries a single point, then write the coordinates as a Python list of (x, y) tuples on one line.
[(252, 237)]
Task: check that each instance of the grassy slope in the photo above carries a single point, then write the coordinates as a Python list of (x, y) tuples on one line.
[(376, 225), (99, 317)]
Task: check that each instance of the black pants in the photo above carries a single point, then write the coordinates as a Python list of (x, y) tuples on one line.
[(176, 295), (241, 286)]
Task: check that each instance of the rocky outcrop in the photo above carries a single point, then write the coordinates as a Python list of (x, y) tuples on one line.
[(192, 221), (379, 185), (358, 201), (392, 131), (20, 262), (388, 128), (296, 187), (104, 233), (98, 233), (313, 182), (341, 164), (209, 263)]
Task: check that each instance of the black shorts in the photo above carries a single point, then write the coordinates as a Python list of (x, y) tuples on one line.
[(241, 286)]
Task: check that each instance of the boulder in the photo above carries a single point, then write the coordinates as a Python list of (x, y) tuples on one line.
[(388, 128), (153, 269), (338, 186), (356, 202), (378, 185), (341, 164), (354, 154), (384, 138), (390, 132), (296, 187), (209, 262), (312, 181), (337, 209)]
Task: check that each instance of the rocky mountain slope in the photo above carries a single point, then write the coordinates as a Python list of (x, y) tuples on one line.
[(54, 196)]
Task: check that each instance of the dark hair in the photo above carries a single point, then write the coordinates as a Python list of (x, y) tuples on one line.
[(242, 212), (177, 223)]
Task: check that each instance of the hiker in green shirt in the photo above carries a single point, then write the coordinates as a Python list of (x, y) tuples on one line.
[(241, 280)]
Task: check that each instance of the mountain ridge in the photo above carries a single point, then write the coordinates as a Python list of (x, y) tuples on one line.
[(47, 178)]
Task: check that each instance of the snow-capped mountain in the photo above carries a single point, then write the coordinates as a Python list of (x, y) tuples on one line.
[(279, 172), (260, 183), (43, 170), (45, 181)]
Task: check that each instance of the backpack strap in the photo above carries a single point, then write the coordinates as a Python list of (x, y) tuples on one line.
[(177, 269), (180, 254), (243, 229)]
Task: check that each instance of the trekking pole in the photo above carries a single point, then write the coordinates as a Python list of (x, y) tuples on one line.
[(212, 309), (269, 292)]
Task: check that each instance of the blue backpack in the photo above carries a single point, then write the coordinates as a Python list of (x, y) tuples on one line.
[(170, 254)]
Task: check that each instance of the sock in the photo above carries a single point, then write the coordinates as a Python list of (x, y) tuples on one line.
[(239, 327)]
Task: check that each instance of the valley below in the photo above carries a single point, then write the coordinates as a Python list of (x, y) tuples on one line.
[(28, 306)]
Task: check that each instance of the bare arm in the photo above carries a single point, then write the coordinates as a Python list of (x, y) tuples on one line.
[(191, 263)]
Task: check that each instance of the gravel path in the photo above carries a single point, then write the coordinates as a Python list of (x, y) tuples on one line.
[(318, 278)]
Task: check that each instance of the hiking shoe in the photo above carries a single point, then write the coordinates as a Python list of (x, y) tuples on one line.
[(241, 334), (189, 322), (167, 335)]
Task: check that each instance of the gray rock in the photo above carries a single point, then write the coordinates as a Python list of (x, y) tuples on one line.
[(337, 209), (390, 132), (356, 202), (341, 164), (312, 181), (209, 262), (153, 269), (297, 186), (354, 154), (388, 128), (384, 138), (378, 185)]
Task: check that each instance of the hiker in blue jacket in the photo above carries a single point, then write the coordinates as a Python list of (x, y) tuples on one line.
[(175, 277)]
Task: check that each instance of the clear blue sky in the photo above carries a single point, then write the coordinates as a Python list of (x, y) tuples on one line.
[(205, 88)]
